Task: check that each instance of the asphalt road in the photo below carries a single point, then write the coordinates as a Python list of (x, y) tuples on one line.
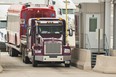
[(14, 67)]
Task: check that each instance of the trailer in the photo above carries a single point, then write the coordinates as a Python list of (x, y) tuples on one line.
[(3, 20), (37, 36)]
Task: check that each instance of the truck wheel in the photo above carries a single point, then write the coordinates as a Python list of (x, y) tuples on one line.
[(34, 62), (13, 52), (25, 58), (67, 65)]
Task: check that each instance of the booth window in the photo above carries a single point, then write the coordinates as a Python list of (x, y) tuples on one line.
[(92, 24)]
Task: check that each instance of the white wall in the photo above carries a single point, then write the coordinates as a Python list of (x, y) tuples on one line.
[(80, 1)]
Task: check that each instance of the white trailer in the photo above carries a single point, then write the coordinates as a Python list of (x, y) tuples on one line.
[(60, 8), (3, 20)]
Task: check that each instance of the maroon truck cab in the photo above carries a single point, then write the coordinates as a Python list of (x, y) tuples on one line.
[(47, 40)]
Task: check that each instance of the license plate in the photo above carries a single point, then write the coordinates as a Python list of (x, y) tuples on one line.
[(53, 56)]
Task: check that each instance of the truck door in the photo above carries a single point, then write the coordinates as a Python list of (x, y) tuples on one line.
[(92, 24)]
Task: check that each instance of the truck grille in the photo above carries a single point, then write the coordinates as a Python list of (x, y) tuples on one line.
[(53, 47)]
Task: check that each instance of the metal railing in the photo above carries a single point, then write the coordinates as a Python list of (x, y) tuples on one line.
[(88, 41), (106, 47)]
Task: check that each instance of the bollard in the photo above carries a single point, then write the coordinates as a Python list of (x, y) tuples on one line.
[(84, 59), (1, 69)]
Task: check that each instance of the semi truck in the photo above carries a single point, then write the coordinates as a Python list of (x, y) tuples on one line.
[(35, 34)]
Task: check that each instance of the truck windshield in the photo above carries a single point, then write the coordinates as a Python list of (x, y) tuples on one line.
[(3, 23), (50, 29), (69, 11)]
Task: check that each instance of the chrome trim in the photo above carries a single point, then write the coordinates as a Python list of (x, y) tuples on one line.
[(48, 59)]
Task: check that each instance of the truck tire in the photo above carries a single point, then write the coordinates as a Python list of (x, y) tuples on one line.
[(34, 62), (67, 65), (25, 58), (13, 52)]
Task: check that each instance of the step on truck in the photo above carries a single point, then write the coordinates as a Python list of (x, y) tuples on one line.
[(38, 39)]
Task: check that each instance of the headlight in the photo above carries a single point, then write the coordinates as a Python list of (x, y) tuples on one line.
[(66, 50), (37, 51)]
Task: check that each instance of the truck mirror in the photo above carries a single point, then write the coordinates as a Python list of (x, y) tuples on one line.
[(38, 38), (22, 21), (70, 32), (60, 12), (53, 2), (29, 31)]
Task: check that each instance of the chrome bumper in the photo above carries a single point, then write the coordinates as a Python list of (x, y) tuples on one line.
[(51, 59)]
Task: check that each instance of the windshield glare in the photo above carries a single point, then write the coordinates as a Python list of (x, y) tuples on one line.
[(50, 29)]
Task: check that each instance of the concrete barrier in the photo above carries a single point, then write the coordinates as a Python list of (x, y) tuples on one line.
[(82, 59), (113, 52), (74, 56), (1, 69), (105, 64)]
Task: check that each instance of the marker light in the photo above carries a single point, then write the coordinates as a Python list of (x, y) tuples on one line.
[(38, 19), (60, 18)]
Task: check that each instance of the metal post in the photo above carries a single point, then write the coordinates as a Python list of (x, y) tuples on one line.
[(0, 56), (104, 30), (107, 20), (114, 26), (66, 22), (99, 41)]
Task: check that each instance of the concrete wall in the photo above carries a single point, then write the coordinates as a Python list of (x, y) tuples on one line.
[(92, 7), (105, 64)]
